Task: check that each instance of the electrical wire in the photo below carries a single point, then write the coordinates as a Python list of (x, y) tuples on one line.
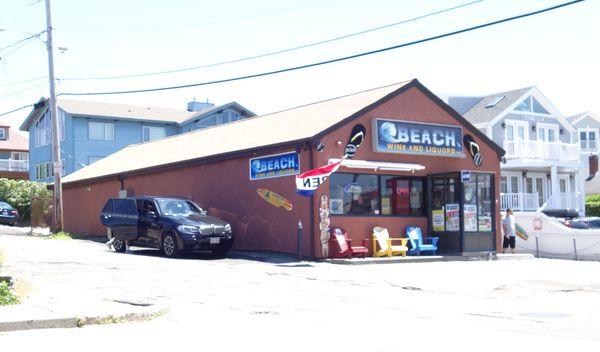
[(22, 90), (15, 110), (33, 36), (320, 63), (304, 46), (195, 25), (20, 9), (24, 81)]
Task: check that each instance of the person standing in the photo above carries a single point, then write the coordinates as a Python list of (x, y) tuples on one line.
[(510, 230)]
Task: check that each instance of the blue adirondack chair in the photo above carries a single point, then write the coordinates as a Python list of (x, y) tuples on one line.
[(417, 244)]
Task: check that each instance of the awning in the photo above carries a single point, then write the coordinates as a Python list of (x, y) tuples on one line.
[(378, 165)]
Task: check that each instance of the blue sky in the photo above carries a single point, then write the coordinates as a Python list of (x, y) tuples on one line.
[(558, 52)]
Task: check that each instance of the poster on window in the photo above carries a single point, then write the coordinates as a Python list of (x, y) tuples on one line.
[(485, 223), (452, 217), (470, 217), (437, 220)]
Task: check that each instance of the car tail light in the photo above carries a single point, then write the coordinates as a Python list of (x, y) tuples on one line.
[(14, 212)]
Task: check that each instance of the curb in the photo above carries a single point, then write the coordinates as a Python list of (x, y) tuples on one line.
[(428, 259), (77, 322)]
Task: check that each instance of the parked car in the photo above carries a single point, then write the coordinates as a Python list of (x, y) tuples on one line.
[(8, 214), (173, 225), (577, 224)]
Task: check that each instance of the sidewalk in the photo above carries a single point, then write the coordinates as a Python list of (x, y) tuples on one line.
[(26, 316)]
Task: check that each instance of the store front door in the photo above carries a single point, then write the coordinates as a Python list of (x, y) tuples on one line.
[(444, 211), (461, 212)]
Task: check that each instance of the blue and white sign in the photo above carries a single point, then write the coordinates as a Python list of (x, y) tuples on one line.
[(276, 165), (404, 137), (465, 176)]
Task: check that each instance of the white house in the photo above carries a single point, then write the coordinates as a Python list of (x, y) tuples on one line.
[(544, 168), (588, 125)]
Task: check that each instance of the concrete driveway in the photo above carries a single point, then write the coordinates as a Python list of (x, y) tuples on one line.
[(242, 304)]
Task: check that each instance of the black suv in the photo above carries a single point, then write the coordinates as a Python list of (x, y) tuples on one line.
[(173, 225)]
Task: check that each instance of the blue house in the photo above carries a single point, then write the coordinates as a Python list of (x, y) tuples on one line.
[(90, 131)]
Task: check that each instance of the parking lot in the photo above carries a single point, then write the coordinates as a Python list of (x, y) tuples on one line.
[(285, 305)]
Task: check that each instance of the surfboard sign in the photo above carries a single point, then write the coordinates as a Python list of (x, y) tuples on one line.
[(275, 199)]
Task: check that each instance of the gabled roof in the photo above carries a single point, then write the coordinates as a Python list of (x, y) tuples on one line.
[(14, 141), (295, 125), (205, 112), (480, 113), (578, 117)]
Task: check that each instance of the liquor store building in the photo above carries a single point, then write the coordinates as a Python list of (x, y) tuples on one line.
[(420, 164)]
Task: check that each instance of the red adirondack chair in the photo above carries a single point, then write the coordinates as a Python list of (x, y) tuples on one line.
[(340, 245)]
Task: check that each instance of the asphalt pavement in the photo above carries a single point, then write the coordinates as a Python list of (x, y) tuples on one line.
[(236, 303)]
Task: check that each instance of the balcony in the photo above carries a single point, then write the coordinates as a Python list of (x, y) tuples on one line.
[(12, 165), (542, 150), (519, 201)]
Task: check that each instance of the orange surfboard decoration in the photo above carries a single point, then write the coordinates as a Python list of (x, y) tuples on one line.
[(275, 199)]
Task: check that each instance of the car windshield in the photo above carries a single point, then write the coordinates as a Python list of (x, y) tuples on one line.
[(177, 207), (4, 205)]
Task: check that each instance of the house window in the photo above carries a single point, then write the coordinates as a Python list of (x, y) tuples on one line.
[(150, 133), (101, 131), (19, 156), (61, 126), (42, 131), (43, 170), (2, 133), (588, 139), (516, 130), (530, 104)]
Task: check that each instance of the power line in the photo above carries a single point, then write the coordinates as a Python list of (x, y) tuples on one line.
[(20, 9), (22, 90), (24, 81), (320, 63), (15, 110), (196, 25), (304, 46), (36, 35)]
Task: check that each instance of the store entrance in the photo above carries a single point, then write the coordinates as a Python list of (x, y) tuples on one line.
[(444, 211), (461, 211)]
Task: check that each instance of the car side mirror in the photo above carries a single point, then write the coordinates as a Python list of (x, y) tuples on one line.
[(204, 212), (150, 215)]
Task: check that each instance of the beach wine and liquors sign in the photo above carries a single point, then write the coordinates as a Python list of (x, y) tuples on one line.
[(276, 165), (407, 137)]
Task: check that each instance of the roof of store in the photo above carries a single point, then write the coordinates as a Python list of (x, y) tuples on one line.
[(297, 124)]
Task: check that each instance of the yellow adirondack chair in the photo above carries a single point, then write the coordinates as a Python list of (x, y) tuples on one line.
[(382, 239)]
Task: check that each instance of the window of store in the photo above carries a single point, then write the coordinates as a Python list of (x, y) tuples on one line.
[(364, 194), (478, 203)]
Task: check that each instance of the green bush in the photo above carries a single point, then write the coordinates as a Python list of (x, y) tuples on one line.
[(18, 193), (6, 295), (592, 198), (592, 208), (61, 236)]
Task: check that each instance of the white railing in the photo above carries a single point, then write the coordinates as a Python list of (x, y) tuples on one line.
[(519, 201), (542, 150), (563, 201), (14, 165)]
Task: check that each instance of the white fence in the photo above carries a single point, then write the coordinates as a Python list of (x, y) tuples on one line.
[(542, 150), (14, 165), (519, 201)]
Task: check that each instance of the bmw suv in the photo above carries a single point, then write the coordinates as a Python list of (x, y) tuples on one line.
[(173, 225)]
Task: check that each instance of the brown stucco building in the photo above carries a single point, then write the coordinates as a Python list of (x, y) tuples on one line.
[(413, 169)]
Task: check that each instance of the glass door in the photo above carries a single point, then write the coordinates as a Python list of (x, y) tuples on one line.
[(444, 212)]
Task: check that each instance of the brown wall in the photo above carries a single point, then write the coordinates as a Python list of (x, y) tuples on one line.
[(224, 188), (411, 105)]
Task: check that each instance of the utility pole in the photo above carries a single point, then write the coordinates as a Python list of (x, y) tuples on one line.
[(57, 167)]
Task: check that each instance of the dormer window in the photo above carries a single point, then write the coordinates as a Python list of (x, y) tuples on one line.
[(3, 133)]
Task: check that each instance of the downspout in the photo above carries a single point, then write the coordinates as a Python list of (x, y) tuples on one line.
[(122, 180)]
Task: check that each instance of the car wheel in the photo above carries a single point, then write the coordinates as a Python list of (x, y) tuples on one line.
[(169, 246), (119, 246)]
